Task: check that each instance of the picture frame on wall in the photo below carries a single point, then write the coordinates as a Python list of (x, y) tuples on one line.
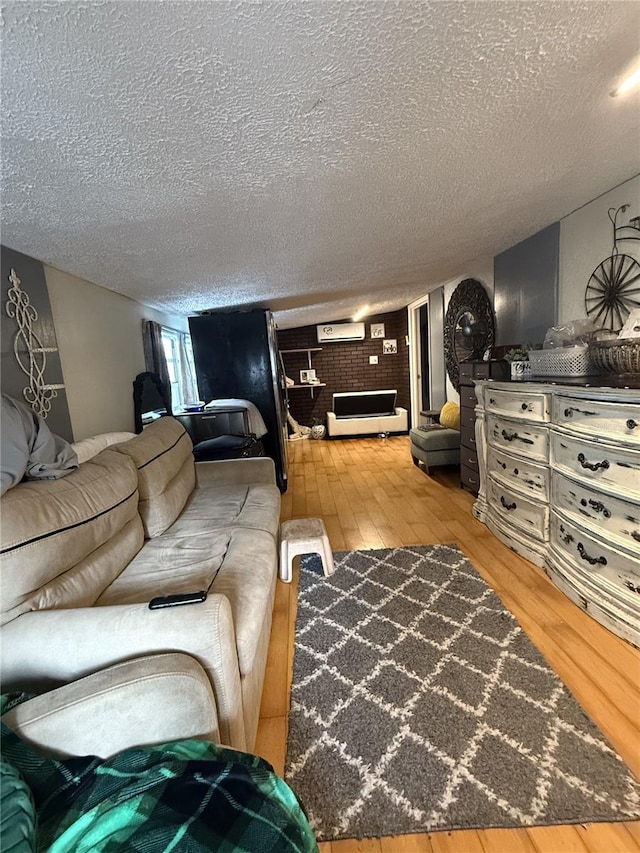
[(377, 330), (390, 346)]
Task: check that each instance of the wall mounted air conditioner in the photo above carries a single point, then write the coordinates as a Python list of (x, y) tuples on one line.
[(340, 332)]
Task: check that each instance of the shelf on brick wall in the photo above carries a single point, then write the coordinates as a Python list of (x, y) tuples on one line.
[(308, 351), (311, 385)]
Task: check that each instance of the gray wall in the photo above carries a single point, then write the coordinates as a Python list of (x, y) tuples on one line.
[(525, 279), (14, 380), (100, 338)]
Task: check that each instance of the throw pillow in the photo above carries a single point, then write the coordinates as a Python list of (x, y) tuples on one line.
[(450, 416)]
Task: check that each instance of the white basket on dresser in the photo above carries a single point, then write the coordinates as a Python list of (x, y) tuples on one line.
[(560, 484)]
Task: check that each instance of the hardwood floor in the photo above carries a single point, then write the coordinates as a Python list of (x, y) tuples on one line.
[(370, 495)]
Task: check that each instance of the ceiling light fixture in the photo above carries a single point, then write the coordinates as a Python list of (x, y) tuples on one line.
[(628, 83), (360, 314)]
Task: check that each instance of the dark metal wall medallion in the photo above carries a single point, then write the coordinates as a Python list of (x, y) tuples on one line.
[(469, 328)]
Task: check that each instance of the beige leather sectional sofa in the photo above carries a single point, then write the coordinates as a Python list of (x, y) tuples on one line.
[(81, 557)]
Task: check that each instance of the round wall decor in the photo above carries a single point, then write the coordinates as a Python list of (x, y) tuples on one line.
[(613, 290), (469, 328)]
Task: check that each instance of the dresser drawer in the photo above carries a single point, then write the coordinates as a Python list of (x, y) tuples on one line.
[(470, 478), (510, 507), (520, 474), (596, 559), (522, 404), (613, 421), (467, 418), (518, 437), (468, 397), (468, 457), (616, 520), (474, 370), (609, 468), (468, 436)]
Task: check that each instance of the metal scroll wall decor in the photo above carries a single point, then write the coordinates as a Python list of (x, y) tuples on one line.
[(469, 328), (613, 290), (28, 350)]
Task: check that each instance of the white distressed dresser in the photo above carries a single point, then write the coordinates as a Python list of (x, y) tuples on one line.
[(560, 485)]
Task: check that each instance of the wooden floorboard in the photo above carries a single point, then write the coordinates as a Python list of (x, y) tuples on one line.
[(371, 495)]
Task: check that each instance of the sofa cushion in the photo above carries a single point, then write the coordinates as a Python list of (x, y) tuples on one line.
[(64, 541), (253, 507), (87, 448), (163, 455), (239, 564)]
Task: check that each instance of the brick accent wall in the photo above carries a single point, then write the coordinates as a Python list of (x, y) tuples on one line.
[(345, 366)]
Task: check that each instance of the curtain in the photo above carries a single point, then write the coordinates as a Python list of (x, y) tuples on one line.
[(154, 357), (187, 379)]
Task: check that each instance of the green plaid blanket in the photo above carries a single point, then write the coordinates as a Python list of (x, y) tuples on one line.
[(188, 795)]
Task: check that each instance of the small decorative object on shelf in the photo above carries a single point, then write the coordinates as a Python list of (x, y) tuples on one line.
[(307, 376), (519, 361)]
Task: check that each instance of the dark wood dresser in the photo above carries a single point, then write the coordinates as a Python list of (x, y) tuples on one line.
[(469, 371)]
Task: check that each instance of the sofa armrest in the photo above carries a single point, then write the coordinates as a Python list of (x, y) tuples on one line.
[(117, 708), (245, 472), (43, 649)]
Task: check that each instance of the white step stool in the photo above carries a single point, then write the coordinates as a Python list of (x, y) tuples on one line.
[(304, 536)]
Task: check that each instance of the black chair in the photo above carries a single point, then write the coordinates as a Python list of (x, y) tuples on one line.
[(151, 400)]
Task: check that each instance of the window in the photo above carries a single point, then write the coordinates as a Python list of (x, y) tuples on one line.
[(181, 374)]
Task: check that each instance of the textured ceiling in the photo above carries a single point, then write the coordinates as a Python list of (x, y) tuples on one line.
[(309, 156)]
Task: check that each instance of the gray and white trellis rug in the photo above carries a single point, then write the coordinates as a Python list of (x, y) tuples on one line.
[(418, 704)]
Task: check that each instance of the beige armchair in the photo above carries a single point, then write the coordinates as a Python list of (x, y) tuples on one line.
[(117, 708)]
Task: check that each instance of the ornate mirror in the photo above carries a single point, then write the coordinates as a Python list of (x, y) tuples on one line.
[(468, 327)]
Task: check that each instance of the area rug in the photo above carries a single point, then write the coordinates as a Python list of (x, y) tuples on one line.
[(418, 704)]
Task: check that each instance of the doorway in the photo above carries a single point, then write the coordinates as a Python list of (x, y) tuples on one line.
[(426, 363)]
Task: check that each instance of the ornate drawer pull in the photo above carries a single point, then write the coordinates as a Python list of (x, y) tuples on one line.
[(632, 586), (598, 506), (593, 561), (592, 466), (566, 537), (492, 401), (631, 424), (568, 413), (511, 436), (524, 407), (636, 535), (506, 505)]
